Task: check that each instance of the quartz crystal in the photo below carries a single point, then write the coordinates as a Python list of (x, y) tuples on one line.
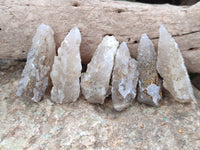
[(149, 82), (124, 78), (170, 65), (66, 69), (35, 76), (95, 82)]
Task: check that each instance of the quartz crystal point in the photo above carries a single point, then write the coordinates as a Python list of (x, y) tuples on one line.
[(149, 82), (36, 74), (95, 82), (124, 78), (66, 69), (170, 65)]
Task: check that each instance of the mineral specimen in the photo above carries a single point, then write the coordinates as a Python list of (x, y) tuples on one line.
[(124, 78), (66, 69), (95, 82), (149, 82), (35, 76), (170, 65)]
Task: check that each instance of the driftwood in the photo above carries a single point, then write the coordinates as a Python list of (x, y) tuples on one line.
[(95, 19)]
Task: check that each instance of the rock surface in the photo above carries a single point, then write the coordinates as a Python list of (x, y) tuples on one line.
[(81, 125), (171, 67), (95, 82), (124, 78), (35, 76), (66, 69), (149, 83)]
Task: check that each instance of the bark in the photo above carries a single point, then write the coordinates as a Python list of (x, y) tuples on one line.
[(125, 20)]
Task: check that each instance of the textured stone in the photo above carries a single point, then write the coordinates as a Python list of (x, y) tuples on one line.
[(171, 67), (149, 82), (35, 76), (66, 69), (95, 82), (124, 78), (81, 125)]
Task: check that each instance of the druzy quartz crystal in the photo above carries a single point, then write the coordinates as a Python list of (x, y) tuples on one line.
[(124, 78), (36, 74), (149, 83), (66, 69)]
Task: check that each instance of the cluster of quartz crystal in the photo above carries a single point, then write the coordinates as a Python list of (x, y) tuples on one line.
[(171, 67), (111, 70), (95, 82), (66, 69), (149, 91), (36, 74), (124, 78)]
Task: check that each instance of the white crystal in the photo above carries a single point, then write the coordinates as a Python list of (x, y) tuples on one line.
[(170, 65), (124, 78), (35, 76), (153, 90), (95, 82), (66, 69)]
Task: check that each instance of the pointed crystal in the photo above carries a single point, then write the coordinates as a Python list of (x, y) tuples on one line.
[(149, 82), (66, 69), (95, 82), (36, 74), (170, 65), (124, 78)]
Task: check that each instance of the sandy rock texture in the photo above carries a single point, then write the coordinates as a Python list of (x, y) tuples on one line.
[(81, 125)]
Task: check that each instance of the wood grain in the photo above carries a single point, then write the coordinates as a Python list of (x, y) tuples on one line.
[(95, 19)]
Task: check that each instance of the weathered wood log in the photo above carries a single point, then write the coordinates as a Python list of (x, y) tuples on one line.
[(95, 19)]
